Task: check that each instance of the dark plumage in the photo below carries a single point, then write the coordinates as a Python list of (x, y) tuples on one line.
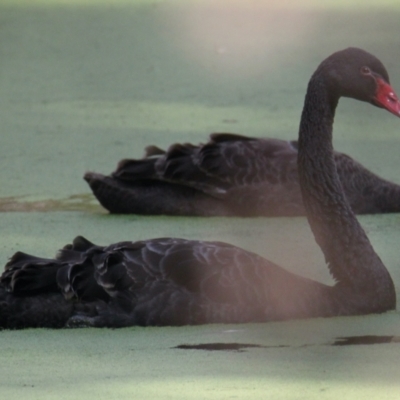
[(230, 175), (176, 281)]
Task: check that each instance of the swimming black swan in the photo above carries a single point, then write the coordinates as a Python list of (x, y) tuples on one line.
[(176, 281), (230, 175)]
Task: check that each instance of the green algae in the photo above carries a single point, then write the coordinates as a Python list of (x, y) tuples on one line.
[(78, 202)]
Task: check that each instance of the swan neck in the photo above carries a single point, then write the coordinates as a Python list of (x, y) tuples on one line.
[(348, 252)]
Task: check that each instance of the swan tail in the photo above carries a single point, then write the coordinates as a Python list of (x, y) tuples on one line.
[(29, 294), (27, 275), (36, 292)]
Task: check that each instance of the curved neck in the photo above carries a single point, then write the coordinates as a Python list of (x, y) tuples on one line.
[(351, 258)]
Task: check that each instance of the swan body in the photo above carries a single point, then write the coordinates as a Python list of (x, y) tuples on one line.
[(170, 281), (230, 175)]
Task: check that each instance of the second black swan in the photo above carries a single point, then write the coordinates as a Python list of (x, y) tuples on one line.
[(170, 281), (231, 175)]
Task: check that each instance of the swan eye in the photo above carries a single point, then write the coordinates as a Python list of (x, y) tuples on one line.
[(365, 71)]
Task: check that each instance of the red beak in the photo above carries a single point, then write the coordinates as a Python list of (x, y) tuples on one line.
[(385, 97)]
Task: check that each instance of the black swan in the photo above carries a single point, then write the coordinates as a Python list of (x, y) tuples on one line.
[(231, 175), (175, 281)]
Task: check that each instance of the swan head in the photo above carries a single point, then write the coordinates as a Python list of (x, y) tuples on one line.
[(355, 73)]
